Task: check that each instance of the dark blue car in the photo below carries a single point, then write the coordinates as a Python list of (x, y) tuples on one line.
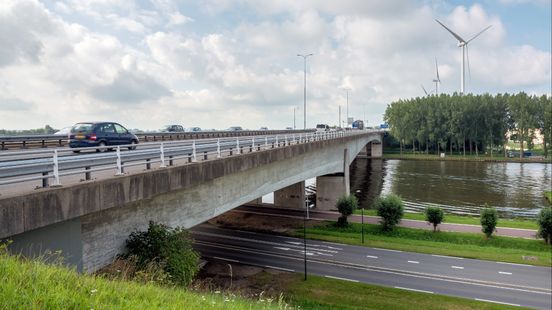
[(94, 134)]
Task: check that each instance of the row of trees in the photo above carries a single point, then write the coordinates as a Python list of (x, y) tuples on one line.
[(476, 122)]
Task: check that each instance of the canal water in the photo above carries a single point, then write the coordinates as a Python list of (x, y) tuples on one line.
[(459, 187)]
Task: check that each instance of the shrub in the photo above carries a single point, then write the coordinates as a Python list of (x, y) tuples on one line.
[(390, 208), (435, 216), (544, 220), (167, 247), (346, 205), (489, 219)]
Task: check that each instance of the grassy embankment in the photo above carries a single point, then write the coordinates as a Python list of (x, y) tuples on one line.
[(461, 219), (34, 285), (469, 245), (548, 196), (30, 284), (465, 158)]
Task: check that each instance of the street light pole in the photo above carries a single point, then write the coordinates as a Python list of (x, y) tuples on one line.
[(293, 118), (305, 89), (347, 119), (361, 218), (305, 237)]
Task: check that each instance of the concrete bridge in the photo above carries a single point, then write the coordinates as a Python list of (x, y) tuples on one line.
[(90, 221)]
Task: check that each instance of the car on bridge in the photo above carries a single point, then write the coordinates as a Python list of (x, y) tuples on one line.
[(322, 127), (193, 129), (100, 134), (235, 128), (173, 128)]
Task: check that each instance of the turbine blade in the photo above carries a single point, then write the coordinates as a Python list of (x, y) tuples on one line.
[(480, 32), (425, 91), (459, 38), (437, 69)]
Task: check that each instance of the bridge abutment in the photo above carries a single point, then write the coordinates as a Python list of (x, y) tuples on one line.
[(292, 196)]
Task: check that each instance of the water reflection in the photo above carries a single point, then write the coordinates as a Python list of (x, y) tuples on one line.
[(515, 189)]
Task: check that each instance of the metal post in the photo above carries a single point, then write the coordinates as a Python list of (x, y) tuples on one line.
[(362, 222), (238, 145), (277, 145), (218, 148), (305, 238), (305, 89), (119, 165), (56, 169), (253, 143), (266, 142), (285, 140), (162, 149), (194, 151)]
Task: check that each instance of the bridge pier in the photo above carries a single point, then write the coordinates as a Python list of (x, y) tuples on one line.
[(329, 188), (376, 149), (292, 196), (257, 201)]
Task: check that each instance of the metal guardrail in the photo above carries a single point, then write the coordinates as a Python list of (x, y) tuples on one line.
[(43, 141), (52, 164)]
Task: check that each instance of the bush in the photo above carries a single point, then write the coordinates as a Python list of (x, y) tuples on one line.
[(544, 220), (346, 205), (435, 216), (167, 247), (489, 219), (390, 209)]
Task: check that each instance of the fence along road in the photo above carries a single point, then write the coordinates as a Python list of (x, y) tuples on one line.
[(25, 170)]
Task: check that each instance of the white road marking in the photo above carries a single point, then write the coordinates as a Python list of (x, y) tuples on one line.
[(387, 250), (281, 248), (504, 272), (371, 256), (280, 268), (226, 259), (456, 267), (413, 289), (294, 242), (444, 256), (338, 278), (497, 302), (505, 263), (413, 262)]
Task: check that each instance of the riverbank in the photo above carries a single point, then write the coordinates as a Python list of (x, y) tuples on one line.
[(461, 219), (484, 158)]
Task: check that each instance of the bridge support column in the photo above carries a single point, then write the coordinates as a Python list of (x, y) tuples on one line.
[(377, 150), (258, 201), (329, 188), (292, 196)]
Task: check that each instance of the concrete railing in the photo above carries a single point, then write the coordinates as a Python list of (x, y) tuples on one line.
[(43, 141), (52, 164)]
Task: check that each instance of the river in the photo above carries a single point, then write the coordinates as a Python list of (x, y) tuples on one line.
[(460, 187)]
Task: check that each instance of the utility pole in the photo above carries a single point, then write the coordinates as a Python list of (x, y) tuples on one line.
[(293, 118), (347, 119), (305, 89), (339, 123)]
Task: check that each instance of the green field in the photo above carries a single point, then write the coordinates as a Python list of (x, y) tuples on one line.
[(467, 245), (460, 219)]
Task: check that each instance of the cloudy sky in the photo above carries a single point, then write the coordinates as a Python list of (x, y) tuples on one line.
[(220, 63)]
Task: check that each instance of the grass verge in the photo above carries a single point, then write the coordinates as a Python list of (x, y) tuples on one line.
[(467, 158), (460, 219), (324, 293), (31, 284), (504, 249), (548, 196)]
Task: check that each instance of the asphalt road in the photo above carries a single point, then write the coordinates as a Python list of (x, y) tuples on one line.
[(268, 209), (513, 284)]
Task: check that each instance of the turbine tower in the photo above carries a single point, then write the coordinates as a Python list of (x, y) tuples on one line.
[(436, 80), (464, 45)]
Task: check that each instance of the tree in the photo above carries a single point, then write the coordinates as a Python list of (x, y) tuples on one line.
[(391, 209), (346, 205), (489, 219), (171, 248), (544, 220), (435, 216)]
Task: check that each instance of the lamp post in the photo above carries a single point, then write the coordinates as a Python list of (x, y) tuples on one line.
[(305, 236), (293, 118), (361, 218), (347, 90), (305, 89)]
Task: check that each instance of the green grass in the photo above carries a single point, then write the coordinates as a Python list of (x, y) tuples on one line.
[(481, 157), (30, 284), (460, 219), (548, 196), (324, 293), (467, 245)]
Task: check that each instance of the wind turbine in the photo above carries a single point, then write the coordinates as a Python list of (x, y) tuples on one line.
[(436, 80), (425, 91), (464, 45)]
